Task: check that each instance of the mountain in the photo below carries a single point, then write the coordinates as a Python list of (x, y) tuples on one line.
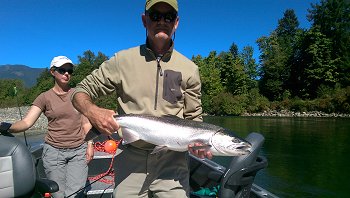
[(22, 72)]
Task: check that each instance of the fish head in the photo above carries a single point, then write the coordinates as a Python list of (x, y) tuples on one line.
[(226, 145)]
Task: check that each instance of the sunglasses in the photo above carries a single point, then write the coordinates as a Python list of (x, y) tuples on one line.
[(63, 70), (157, 16)]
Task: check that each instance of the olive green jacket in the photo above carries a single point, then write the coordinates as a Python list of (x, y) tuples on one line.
[(145, 84)]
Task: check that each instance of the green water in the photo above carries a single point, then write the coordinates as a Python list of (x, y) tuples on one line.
[(308, 157)]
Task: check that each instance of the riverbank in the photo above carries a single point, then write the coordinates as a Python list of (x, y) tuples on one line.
[(287, 113), (12, 115)]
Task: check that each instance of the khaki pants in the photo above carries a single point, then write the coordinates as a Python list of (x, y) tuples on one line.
[(141, 174), (67, 167)]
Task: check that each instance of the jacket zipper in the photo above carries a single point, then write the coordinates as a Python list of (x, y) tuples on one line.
[(159, 73)]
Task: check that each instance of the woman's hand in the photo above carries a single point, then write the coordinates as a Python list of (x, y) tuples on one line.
[(89, 152)]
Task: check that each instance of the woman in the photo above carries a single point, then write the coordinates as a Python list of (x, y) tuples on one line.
[(65, 154)]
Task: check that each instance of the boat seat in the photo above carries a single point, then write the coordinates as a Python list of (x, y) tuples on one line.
[(17, 170), (239, 177), (16, 165)]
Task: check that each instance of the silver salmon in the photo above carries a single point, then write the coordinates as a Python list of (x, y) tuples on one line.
[(171, 132)]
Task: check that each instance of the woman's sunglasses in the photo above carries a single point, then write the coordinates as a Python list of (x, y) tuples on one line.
[(63, 70), (157, 16)]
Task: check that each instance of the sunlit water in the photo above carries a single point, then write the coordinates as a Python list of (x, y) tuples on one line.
[(307, 157)]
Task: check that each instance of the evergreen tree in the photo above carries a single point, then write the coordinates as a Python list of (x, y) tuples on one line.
[(271, 61), (250, 66), (234, 50), (332, 19), (318, 66), (276, 53)]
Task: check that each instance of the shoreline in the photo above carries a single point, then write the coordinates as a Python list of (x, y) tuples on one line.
[(287, 113), (12, 115)]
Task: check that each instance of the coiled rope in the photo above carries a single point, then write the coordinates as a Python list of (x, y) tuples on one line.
[(100, 146)]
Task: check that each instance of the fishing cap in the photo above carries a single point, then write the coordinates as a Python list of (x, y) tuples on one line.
[(58, 61), (172, 3)]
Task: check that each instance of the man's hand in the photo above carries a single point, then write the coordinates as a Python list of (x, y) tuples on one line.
[(103, 120), (201, 153)]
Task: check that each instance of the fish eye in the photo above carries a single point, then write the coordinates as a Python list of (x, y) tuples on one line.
[(235, 140)]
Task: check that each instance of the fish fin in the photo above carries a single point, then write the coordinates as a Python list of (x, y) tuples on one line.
[(205, 146), (171, 117), (129, 136), (159, 148)]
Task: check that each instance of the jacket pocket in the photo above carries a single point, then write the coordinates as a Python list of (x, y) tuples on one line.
[(171, 86)]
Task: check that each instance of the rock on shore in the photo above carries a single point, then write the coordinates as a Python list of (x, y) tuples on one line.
[(287, 113), (12, 115)]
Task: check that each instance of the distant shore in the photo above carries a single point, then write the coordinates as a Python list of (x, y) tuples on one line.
[(287, 113), (12, 115)]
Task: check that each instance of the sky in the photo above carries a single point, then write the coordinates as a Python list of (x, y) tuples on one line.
[(32, 32)]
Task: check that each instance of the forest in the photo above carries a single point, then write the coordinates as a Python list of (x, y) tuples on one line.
[(298, 69)]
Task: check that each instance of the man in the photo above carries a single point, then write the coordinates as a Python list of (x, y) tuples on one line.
[(149, 79)]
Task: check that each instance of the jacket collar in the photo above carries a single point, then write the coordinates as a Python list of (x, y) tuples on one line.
[(165, 57)]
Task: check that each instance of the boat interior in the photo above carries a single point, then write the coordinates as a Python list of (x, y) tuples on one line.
[(207, 178)]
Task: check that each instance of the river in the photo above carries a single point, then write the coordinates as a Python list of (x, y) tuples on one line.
[(307, 157)]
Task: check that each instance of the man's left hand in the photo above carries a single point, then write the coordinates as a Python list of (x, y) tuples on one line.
[(201, 153)]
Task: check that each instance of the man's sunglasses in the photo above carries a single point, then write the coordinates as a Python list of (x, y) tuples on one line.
[(63, 70), (157, 16)]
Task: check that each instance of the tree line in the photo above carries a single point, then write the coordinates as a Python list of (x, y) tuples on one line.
[(298, 69)]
